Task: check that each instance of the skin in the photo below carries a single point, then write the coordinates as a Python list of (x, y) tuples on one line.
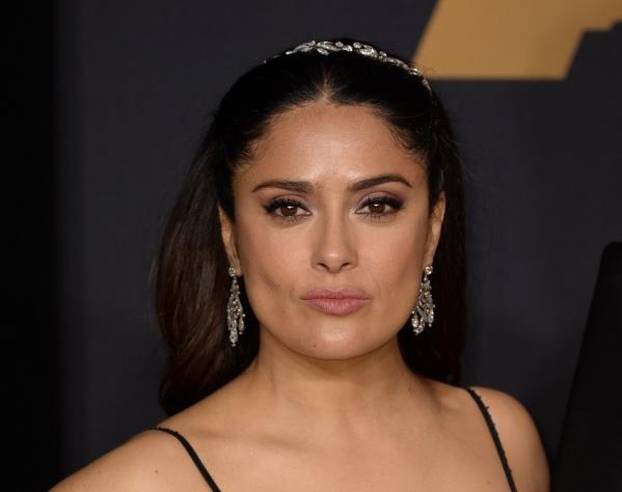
[(328, 403)]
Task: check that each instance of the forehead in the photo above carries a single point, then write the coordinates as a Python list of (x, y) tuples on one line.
[(321, 140)]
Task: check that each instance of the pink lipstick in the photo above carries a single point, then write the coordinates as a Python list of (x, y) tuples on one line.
[(339, 302)]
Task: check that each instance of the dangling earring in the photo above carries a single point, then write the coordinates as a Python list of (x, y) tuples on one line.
[(235, 314), (423, 312)]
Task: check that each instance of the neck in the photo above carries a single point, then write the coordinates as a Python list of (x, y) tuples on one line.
[(333, 394)]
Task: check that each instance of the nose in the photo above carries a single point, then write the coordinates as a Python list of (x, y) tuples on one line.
[(334, 247)]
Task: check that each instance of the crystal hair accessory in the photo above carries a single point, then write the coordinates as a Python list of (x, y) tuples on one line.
[(327, 47)]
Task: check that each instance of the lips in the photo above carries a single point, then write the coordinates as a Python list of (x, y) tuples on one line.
[(338, 302), (345, 293)]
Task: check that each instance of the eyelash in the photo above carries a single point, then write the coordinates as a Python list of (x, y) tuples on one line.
[(274, 205)]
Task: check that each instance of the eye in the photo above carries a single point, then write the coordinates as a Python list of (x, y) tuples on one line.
[(378, 207), (285, 209)]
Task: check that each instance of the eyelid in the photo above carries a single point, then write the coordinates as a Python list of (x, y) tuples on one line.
[(375, 196)]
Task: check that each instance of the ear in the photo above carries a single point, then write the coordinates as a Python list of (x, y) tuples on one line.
[(227, 231), (434, 229)]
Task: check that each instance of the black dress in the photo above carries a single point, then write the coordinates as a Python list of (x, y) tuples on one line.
[(484, 409)]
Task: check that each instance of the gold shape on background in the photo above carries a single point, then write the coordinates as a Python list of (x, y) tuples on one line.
[(509, 39)]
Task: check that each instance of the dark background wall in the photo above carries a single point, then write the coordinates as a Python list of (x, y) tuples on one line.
[(108, 103), (29, 338)]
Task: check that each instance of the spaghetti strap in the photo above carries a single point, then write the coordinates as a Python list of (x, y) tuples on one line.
[(195, 458), (495, 436)]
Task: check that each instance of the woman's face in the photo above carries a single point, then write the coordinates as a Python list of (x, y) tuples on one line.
[(329, 202)]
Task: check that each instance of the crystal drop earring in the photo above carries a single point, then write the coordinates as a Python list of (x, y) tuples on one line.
[(235, 314), (423, 312)]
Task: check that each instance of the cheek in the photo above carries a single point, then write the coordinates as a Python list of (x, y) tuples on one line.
[(394, 261), (272, 260)]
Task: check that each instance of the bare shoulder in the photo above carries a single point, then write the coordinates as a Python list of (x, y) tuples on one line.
[(153, 460), (149, 460), (520, 439)]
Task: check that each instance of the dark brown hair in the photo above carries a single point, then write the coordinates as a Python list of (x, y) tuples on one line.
[(190, 270)]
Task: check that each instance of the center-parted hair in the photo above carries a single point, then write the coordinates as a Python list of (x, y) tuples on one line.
[(190, 270)]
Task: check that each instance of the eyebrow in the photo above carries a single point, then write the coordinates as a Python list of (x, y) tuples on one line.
[(307, 187)]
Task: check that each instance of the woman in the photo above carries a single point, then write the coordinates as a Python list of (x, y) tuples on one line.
[(310, 289)]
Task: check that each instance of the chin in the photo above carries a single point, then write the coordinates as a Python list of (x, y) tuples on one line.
[(332, 341)]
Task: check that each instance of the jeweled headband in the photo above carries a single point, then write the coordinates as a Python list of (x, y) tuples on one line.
[(327, 47)]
